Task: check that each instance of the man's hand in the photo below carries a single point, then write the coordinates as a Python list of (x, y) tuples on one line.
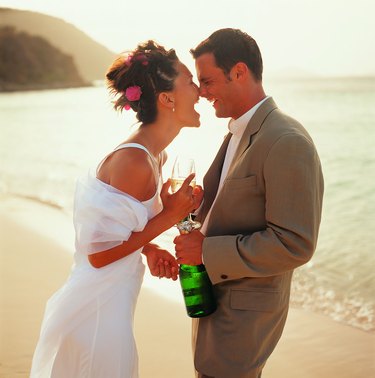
[(189, 248)]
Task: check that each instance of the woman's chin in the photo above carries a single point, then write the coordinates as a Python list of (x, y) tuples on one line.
[(195, 121)]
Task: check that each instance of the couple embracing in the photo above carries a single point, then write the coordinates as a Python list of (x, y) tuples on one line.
[(260, 209)]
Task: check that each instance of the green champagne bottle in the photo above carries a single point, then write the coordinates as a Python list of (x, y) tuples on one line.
[(197, 290)]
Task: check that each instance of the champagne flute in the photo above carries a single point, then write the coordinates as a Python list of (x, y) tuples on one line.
[(182, 168)]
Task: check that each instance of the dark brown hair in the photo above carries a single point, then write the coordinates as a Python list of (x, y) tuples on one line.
[(230, 46), (151, 67)]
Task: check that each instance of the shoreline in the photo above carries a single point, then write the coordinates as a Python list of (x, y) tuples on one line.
[(13, 87), (36, 257)]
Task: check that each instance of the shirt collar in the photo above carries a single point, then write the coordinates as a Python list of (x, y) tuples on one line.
[(238, 126)]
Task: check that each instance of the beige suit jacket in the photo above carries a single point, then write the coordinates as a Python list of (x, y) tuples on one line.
[(263, 225)]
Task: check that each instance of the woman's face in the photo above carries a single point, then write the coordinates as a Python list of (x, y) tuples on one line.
[(186, 95)]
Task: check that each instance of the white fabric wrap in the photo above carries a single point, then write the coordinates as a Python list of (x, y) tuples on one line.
[(104, 217)]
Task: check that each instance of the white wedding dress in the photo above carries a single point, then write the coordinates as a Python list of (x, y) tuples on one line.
[(87, 330)]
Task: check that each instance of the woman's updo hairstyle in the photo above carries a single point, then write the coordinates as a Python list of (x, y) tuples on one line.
[(137, 77)]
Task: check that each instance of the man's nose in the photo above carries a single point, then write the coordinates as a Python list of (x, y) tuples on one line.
[(202, 91)]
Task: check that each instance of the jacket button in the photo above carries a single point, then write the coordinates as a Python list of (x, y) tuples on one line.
[(224, 276)]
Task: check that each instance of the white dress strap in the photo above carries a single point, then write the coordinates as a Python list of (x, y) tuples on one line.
[(134, 145)]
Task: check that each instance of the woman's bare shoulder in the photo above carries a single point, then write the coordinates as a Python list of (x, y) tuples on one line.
[(131, 171)]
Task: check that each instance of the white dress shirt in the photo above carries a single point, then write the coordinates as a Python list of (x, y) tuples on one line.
[(237, 128)]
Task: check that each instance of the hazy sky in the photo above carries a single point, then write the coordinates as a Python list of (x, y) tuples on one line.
[(323, 37)]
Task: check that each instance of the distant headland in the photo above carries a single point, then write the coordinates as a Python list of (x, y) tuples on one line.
[(38, 51)]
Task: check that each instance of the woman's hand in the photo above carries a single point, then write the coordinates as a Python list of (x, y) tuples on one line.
[(197, 196), (160, 262), (178, 205)]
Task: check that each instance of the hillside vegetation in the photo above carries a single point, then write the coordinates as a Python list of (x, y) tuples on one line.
[(91, 58), (30, 62)]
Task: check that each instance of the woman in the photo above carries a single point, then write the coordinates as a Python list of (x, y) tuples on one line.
[(88, 325)]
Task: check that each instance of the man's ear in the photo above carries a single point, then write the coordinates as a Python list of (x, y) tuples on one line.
[(239, 71), (166, 99)]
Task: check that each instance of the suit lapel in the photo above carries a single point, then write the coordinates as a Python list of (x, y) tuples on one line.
[(252, 128), (212, 178)]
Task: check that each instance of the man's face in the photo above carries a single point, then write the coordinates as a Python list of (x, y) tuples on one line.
[(215, 86)]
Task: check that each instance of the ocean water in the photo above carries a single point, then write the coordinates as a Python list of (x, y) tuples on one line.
[(49, 138)]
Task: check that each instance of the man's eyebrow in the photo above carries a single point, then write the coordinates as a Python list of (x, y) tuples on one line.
[(202, 78)]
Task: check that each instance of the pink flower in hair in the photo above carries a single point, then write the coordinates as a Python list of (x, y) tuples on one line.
[(127, 107), (142, 58), (128, 60), (133, 93)]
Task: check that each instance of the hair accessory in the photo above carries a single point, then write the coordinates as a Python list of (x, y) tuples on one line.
[(133, 93), (142, 58), (128, 60)]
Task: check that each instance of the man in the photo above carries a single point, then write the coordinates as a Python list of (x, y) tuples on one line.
[(261, 211)]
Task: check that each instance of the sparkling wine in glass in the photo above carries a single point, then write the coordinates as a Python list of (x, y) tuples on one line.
[(182, 168)]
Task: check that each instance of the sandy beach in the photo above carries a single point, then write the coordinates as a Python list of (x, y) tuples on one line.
[(35, 260)]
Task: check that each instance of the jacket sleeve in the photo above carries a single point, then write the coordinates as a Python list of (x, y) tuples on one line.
[(293, 204)]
